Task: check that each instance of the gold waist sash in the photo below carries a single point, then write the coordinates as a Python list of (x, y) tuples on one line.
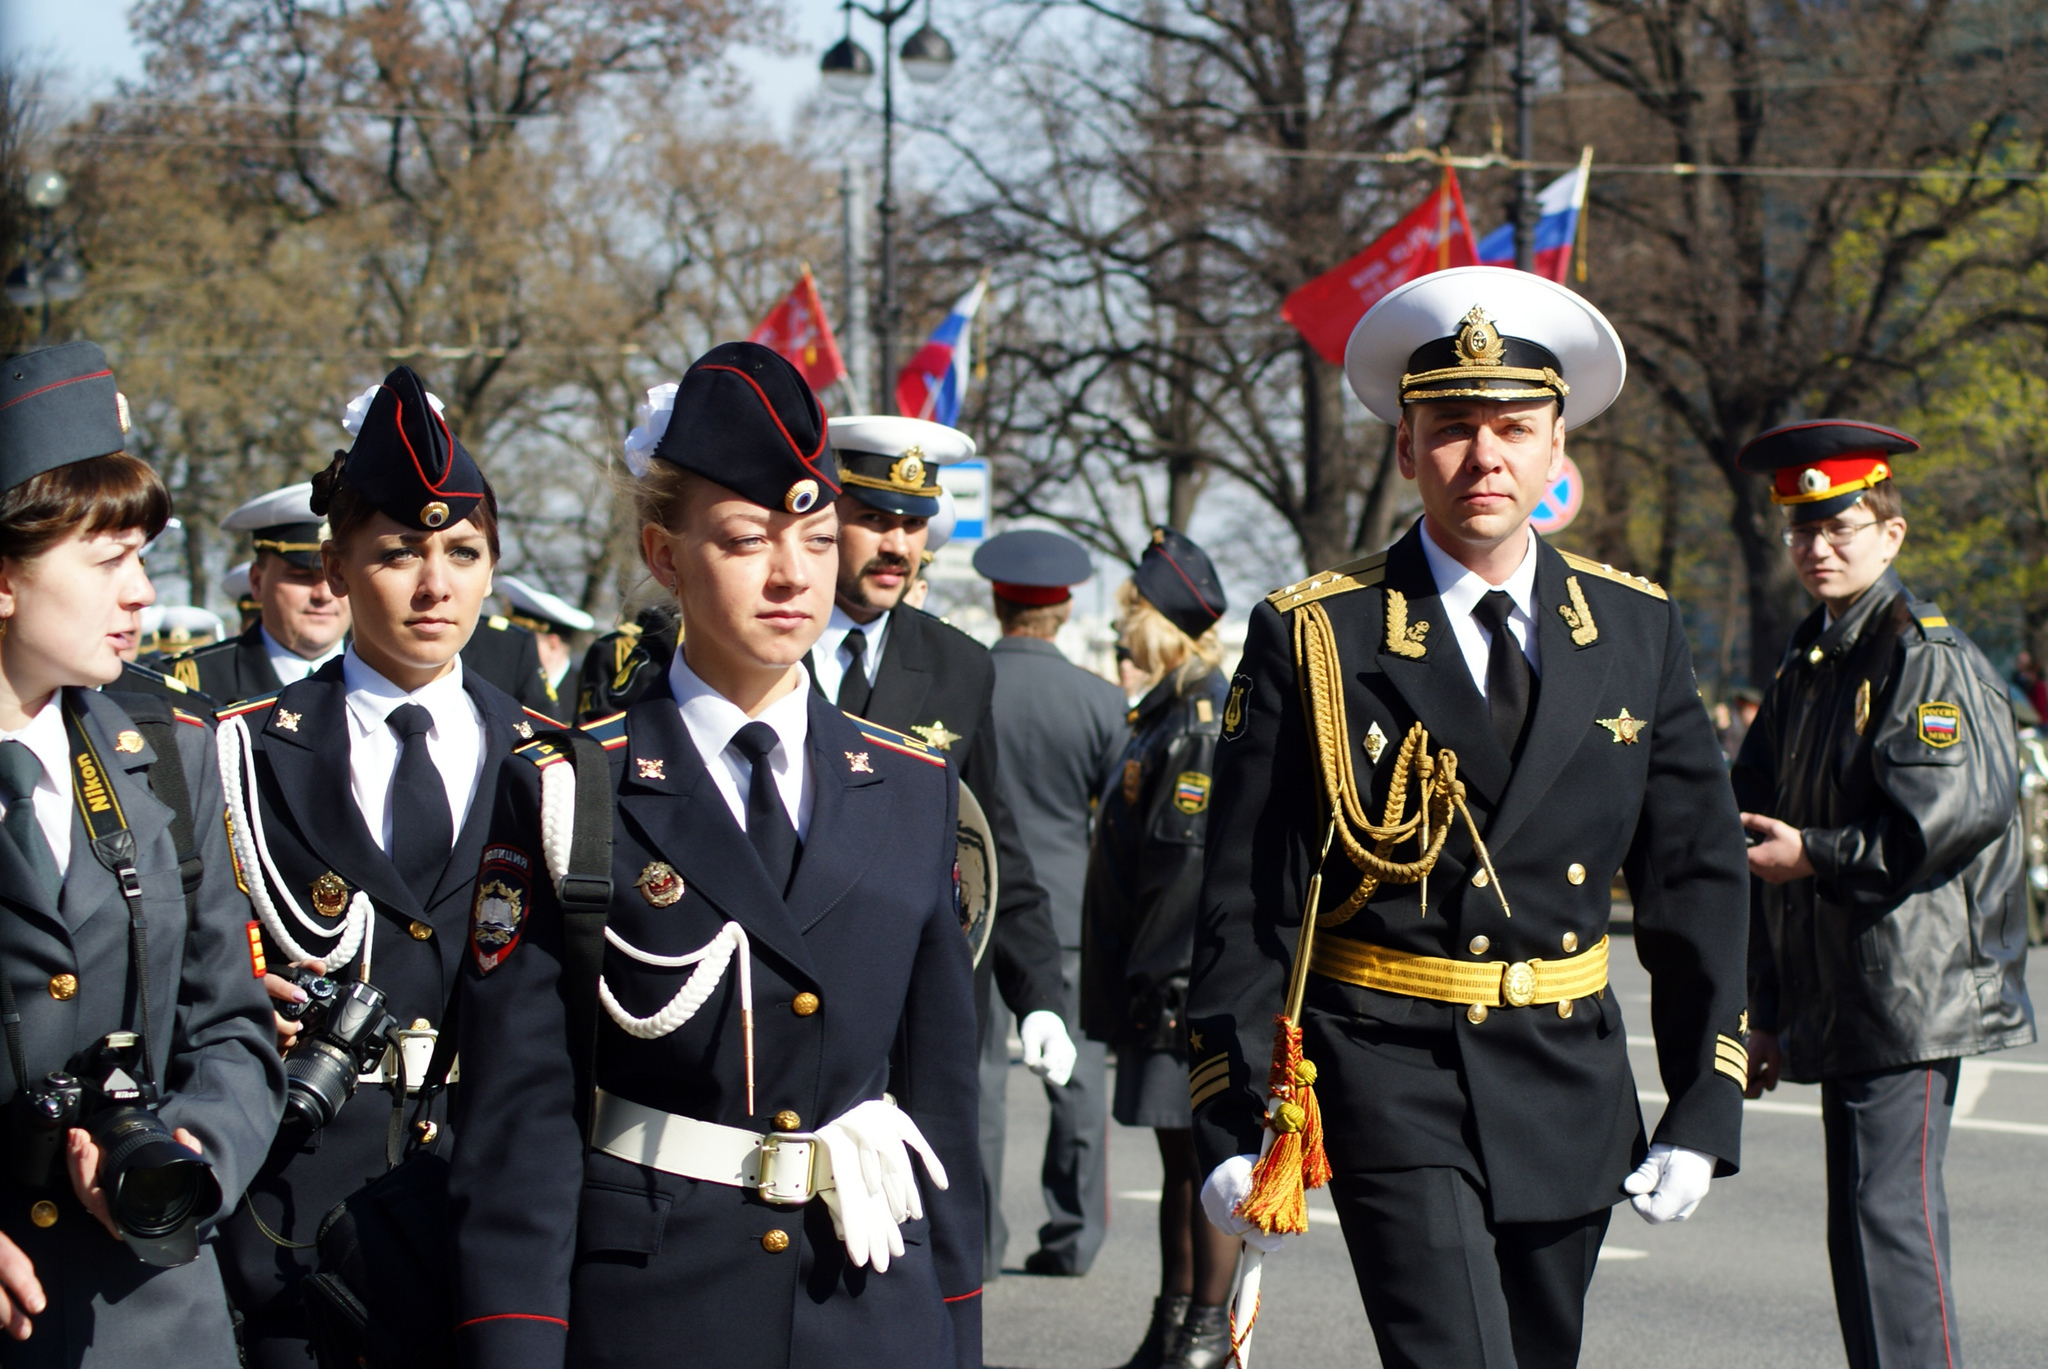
[(1494, 983)]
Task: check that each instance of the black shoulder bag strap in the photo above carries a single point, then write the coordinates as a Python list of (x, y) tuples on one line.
[(153, 719), (585, 894), (113, 845)]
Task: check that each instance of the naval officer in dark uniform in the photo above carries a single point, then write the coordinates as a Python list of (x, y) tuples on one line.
[(1891, 931), (358, 799), (552, 620), (1058, 730), (1471, 1064), (778, 1014), (98, 791)]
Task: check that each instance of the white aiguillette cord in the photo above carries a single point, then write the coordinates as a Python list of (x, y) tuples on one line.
[(557, 826)]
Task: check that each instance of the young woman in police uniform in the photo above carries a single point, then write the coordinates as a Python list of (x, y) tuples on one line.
[(1138, 924), (358, 798), (780, 1002), (74, 515)]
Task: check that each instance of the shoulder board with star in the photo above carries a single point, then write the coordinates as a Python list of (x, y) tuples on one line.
[(193, 718), (1933, 623), (1620, 577), (610, 730), (898, 741), (170, 683), (1363, 573), (544, 751), (248, 706)]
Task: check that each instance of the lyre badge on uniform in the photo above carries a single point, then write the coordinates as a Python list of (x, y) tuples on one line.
[(935, 734), (660, 885), (1191, 792), (1862, 707), (1626, 730), (1403, 637), (1375, 742), (129, 741), (499, 911), (1941, 724), (1234, 707), (1578, 614), (330, 895), (651, 767), (1134, 775), (857, 762), (287, 721)]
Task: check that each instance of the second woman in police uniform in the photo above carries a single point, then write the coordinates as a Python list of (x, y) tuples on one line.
[(358, 798), (1138, 924)]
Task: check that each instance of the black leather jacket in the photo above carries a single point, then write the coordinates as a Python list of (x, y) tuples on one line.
[(1145, 869), (1887, 739)]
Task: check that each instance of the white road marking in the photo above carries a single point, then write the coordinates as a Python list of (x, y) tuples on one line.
[(1771, 1105), (1622, 1252)]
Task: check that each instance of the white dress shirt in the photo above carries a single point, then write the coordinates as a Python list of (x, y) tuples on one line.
[(829, 655), (455, 743), (289, 665), (712, 720), (1461, 590), (44, 736)]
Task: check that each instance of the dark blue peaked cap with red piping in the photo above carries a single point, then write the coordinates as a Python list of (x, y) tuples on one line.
[(405, 461), (57, 405), (746, 419), (1176, 578)]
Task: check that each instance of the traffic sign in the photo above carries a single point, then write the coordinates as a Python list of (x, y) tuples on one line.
[(968, 481), (1560, 503)]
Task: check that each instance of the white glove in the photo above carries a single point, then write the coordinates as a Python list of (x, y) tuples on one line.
[(1227, 1186), (874, 1188), (1049, 1052), (1669, 1183)]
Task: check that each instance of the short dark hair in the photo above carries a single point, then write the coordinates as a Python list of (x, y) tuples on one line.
[(116, 491), (1884, 502), (348, 511)]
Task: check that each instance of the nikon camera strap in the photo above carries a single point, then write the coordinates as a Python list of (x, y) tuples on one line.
[(113, 845)]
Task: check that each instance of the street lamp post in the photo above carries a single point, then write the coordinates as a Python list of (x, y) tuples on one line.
[(846, 70), (48, 273)]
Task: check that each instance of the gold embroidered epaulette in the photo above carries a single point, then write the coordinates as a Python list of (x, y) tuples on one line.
[(1619, 577), (247, 706), (898, 741), (1363, 573)]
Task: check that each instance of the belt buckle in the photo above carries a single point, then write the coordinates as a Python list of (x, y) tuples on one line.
[(1518, 985), (789, 1163)]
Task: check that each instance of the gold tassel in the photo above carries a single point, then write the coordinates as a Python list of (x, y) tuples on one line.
[(1278, 1200)]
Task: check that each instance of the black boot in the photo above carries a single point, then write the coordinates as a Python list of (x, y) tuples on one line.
[(1203, 1341), (1167, 1314)]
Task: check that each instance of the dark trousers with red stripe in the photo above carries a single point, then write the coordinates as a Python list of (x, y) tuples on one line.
[(1888, 1215)]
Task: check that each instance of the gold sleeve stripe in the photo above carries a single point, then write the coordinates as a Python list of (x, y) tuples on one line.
[(1199, 1096), (1211, 1068), (1730, 1043), (1363, 573), (1619, 577), (1739, 1073)]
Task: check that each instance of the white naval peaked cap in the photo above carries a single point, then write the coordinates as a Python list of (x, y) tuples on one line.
[(939, 527), (534, 602), (894, 435), (292, 504), (235, 583), (1521, 306), (195, 622)]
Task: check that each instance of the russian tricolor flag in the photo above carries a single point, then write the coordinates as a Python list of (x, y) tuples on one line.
[(934, 383), (1560, 203)]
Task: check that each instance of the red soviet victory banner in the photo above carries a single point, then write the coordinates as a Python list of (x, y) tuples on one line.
[(1435, 235), (798, 329)]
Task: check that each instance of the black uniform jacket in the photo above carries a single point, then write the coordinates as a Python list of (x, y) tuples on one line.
[(210, 1038), (1887, 739), (312, 828), (137, 678), (499, 651), (1538, 1107), (1145, 869), (564, 1254), (624, 664)]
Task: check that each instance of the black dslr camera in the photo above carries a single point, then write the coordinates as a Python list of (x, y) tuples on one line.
[(158, 1188), (346, 1030)]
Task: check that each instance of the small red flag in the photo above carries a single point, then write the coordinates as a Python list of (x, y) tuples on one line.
[(1435, 235), (798, 329)]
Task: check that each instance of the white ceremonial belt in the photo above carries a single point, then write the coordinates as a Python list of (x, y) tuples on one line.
[(416, 1048), (784, 1167)]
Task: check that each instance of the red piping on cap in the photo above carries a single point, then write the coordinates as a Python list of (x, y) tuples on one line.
[(417, 467), (810, 462), (55, 385), (1200, 597)]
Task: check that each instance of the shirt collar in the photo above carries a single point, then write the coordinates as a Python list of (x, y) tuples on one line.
[(1462, 589), (711, 719), (45, 738), (371, 697), (842, 623)]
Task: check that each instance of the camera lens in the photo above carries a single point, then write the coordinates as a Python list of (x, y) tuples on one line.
[(158, 1188), (318, 1079)]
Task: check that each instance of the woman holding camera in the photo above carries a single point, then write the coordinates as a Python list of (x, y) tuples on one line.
[(357, 799), (1138, 925), (125, 981)]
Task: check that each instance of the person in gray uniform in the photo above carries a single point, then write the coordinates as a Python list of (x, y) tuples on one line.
[(129, 1001), (1059, 729)]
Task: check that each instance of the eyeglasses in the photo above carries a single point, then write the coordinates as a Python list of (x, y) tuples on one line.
[(1838, 535)]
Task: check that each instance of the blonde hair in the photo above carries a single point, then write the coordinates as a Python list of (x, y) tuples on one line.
[(1157, 647)]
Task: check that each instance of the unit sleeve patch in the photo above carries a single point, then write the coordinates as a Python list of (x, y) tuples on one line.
[(1235, 707), (1941, 724), (503, 884), (1191, 791)]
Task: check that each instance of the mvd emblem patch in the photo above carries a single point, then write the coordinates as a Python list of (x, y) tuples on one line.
[(503, 884), (1941, 724)]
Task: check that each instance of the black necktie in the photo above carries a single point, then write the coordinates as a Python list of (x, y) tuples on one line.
[(19, 771), (422, 833), (768, 825), (1507, 671), (853, 685)]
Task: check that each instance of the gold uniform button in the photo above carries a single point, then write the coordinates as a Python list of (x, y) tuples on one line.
[(1564, 1009), (63, 988), (1476, 1014), (420, 1024), (1480, 879), (420, 931), (43, 1213), (804, 1004), (1571, 941), (775, 1242), (1479, 945), (427, 1131), (1575, 873), (786, 1120)]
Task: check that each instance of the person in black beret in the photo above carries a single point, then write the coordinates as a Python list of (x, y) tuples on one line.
[(170, 996), (358, 801), (1880, 785), (781, 944)]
